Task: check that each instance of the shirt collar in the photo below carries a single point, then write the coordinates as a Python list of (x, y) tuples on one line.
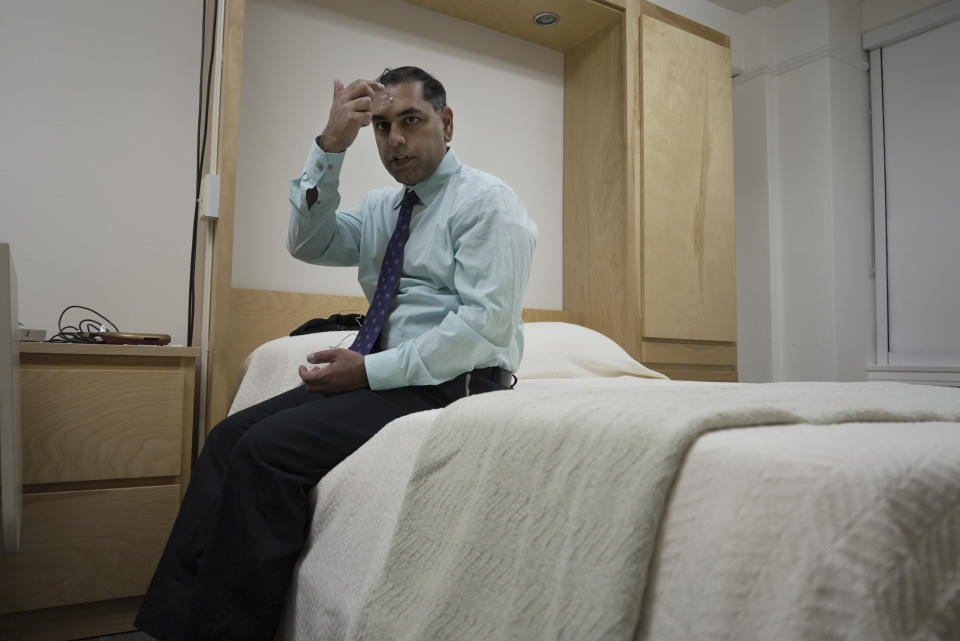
[(428, 189)]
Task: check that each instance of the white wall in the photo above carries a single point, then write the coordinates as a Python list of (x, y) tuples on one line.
[(874, 13), (804, 208), (758, 304), (98, 108), (506, 94)]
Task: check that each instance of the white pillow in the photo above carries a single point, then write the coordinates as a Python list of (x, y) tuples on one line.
[(551, 350), (565, 350)]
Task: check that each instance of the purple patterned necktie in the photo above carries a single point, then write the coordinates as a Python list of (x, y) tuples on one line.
[(388, 280)]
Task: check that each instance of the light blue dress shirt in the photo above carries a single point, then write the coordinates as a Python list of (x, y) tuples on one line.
[(465, 266)]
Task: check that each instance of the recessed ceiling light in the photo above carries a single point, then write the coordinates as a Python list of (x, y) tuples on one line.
[(546, 18)]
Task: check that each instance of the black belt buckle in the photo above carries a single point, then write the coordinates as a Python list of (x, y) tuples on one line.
[(497, 375)]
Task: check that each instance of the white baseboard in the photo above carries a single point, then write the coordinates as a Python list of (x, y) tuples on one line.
[(924, 375)]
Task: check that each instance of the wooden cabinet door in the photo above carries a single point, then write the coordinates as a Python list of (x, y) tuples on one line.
[(687, 217)]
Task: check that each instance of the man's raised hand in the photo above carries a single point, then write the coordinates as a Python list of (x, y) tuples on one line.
[(349, 112)]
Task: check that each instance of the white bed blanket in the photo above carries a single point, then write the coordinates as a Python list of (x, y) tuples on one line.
[(800, 533), (534, 514)]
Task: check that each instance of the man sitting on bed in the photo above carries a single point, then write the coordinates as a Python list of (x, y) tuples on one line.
[(444, 323)]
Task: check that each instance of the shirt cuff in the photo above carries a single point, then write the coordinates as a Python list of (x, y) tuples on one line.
[(321, 166), (384, 370)]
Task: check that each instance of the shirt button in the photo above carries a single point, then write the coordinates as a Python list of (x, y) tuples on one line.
[(330, 166)]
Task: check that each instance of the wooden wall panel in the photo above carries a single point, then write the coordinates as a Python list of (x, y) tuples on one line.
[(578, 19), (597, 288), (689, 289), (695, 373), (218, 376), (689, 354)]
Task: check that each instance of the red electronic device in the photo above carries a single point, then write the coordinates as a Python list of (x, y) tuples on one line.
[(129, 338)]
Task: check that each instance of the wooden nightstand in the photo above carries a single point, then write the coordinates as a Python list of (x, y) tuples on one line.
[(107, 447)]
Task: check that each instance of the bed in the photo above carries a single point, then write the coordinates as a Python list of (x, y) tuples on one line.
[(600, 500)]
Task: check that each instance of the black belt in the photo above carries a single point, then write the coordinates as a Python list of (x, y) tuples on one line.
[(495, 374)]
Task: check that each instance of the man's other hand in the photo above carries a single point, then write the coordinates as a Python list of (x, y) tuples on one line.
[(350, 111), (344, 371)]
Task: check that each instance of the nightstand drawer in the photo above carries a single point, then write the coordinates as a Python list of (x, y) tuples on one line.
[(86, 546), (93, 424)]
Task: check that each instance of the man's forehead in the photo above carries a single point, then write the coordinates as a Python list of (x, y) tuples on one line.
[(409, 89), (401, 99), (412, 85)]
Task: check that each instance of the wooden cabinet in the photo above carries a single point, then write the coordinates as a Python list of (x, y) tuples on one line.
[(649, 255), (107, 445)]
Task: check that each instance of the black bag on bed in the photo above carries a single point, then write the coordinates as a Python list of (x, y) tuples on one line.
[(337, 322)]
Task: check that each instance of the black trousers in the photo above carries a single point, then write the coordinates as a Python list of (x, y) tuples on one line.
[(245, 516)]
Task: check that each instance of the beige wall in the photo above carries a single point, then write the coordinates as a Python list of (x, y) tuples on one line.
[(506, 94)]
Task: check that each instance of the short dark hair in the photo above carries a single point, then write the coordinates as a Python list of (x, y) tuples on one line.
[(433, 91)]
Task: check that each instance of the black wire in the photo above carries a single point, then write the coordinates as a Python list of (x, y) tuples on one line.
[(69, 307), (89, 325), (77, 333), (67, 337), (201, 114), (192, 288), (202, 130)]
